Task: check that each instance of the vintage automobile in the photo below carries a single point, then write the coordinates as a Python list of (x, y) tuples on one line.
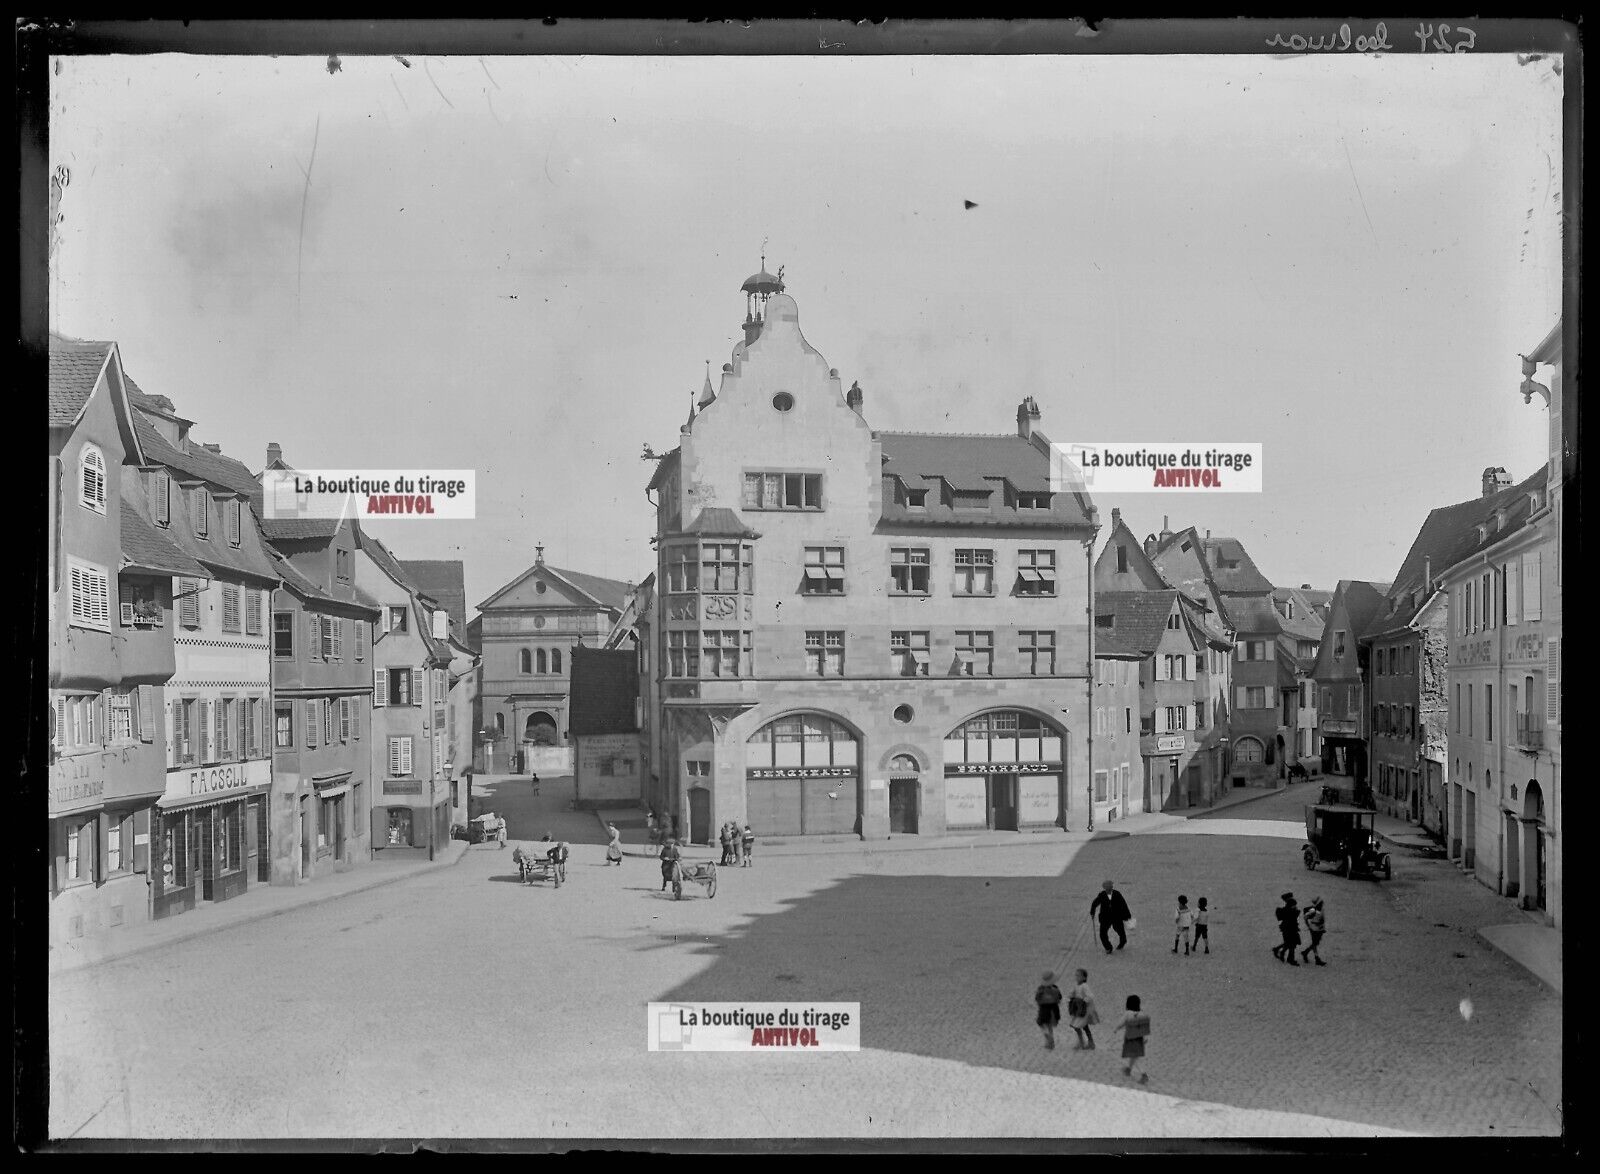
[(1343, 835)]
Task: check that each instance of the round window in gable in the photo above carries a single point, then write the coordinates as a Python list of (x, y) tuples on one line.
[(903, 713), (783, 401), (539, 587)]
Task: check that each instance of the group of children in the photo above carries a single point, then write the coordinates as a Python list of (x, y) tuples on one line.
[(1196, 920), (1082, 1016), (738, 844)]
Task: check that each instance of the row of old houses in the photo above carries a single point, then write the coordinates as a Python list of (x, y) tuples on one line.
[(892, 633), (1440, 690), (234, 700)]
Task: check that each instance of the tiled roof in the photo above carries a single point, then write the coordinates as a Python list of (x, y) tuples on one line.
[(147, 547), (1240, 578), (1255, 615), (387, 563), (250, 557), (1450, 534), (967, 462), (300, 529), (1138, 620), (1363, 603), (1208, 624), (445, 580), (295, 581), (198, 463), (1306, 623), (75, 367), (609, 592), (719, 521), (604, 689), (474, 636)]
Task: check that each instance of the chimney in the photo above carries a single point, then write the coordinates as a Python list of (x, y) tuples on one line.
[(1166, 528), (274, 454), (1150, 544), (1427, 572), (1116, 517), (1305, 586), (1494, 480), (216, 448), (1027, 414), (855, 397)]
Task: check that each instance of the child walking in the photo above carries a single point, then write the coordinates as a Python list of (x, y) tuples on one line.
[(1202, 927), (748, 839), (1081, 1013), (1135, 1026), (1317, 924), (1048, 997), (1184, 921)]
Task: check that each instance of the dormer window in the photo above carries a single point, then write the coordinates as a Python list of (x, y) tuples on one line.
[(200, 508), (92, 465), (1534, 501), (161, 496), (916, 499), (1185, 546), (235, 514), (1033, 501)]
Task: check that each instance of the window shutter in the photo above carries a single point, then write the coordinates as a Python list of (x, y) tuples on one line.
[(314, 627), (405, 755), (1238, 697), (59, 735), (311, 724), (1552, 681), (242, 750), (147, 720), (141, 840), (361, 639), (172, 731), (394, 757), (355, 718), (380, 688), (204, 747), (416, 686)]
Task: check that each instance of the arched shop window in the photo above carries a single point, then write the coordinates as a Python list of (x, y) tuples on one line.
[(808, 739), (1003, 736), (1248, 750)]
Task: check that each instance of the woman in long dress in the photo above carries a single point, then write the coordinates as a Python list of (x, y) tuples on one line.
[(614, 848)]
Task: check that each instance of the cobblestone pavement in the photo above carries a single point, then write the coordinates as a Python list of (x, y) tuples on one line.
[(462, 1004)]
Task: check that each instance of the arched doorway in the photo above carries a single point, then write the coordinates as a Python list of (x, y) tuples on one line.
[(540, 729), (905, 794), (699, 815), (803, 777), (1533, 823), (1005, 769)]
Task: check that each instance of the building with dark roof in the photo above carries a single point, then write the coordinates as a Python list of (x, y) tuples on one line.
[(860, 632), (528, 630), (110, 573), (1342, 674), (604, 724), (215, 816)]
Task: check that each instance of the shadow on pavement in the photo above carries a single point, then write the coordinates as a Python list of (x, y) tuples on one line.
[(945, 967)]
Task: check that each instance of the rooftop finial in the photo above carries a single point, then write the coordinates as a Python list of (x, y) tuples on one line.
[(539, 554)]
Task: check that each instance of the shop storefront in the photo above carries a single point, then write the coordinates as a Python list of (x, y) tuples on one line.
[(211, 836), (803, 777), (405, 818), (1005, 771)]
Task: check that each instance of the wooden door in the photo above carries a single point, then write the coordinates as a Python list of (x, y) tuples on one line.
[(903, 807)]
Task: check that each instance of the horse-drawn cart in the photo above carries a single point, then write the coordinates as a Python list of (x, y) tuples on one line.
[(704, 873), (532, 866)]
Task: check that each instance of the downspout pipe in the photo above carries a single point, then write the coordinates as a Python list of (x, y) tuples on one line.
[(1088, 713)]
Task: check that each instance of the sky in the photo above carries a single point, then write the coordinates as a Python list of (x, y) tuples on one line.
[(522, 265)]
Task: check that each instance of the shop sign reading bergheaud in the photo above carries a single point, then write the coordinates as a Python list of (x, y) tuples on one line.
[(801, 772), (185, 785)]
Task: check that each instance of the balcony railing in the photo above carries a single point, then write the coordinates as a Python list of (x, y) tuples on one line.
[(1530, 731)]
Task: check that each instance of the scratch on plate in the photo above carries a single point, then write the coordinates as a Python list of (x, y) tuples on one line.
[(403, 101), (486, 72), (1359, 196), (305, 196), (429, 72)]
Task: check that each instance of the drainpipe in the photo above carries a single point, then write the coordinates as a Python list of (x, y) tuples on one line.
[(1088, 713)]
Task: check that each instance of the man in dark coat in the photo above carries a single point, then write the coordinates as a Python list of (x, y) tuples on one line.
[(1288, 916), (1113, 913)]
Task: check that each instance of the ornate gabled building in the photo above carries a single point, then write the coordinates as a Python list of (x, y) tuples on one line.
[(864, 633)]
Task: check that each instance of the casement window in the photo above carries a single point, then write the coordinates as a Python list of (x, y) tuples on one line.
[(200, 511), (119, 843), (725, 654), (1199, 715), (683, 654), (1174, 622), (974, 572), (92, 466), (1038, 652), (909, 570), (283, 727), (782, 491), (1532, 576), (1255, 697), (395, 619), (398, 686), (683, 568), (1099, 786), (233, 511), (1122, 560), (90, 589), (1036, 572), (230, 607), (283, 634), (342, 564), (400, 756), (1338, 645), (1176, 718), (184, 749), (1033, 501), (719, 566), (361, 639), (974, 654), (1257, 649), (252, 612), (908, 653), (161, 497), (119, 716), (825, 653), (824, 571), (77, 852)]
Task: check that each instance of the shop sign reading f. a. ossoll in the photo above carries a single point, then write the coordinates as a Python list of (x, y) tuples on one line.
[(188, 785)]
